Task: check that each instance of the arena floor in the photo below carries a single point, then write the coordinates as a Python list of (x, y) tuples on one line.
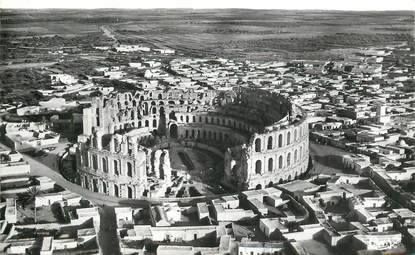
[(203, 167)]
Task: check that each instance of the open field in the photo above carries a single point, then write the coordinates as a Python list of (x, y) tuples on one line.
[(30, 39), (256, 35)]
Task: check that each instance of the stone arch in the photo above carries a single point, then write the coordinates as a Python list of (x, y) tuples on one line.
[(258, 145), (270, 165), (269, 144), (280, 162), (86, 182), (130, 190), (104, 165), (258, 166), (95, 185), (145, 108), (301, 151), (116, 167), (173, 131), (271, 184), (280, 140), (172, 115), (95, 162), (116, 190), (104, 188), (129, 169), (259, 186)]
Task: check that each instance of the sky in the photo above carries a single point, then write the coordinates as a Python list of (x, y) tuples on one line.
[(356, 5)]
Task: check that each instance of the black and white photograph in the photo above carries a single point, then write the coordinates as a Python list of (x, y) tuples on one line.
[(218, 127)]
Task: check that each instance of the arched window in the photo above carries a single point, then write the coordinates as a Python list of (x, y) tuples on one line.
[(269, 145), (288, 138), (94, 162), (147, 123), (129, 169), (289, 159), (270, 164), (301, 151), (280, 162), (280, 141), (95, 185), (104, 165), (116, 167), (257, 145), (258, 166), (145, 108), (86, 183), (130, 190), (154, 110), (154, 123), (187, 119), (116, 191), (295, 135), (295, 156), (104, 187)]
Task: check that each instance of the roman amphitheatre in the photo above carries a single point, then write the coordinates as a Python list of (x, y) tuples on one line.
[(176, 143)]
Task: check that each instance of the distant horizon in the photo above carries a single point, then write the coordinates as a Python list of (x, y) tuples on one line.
[(306, 5), (197, 9)]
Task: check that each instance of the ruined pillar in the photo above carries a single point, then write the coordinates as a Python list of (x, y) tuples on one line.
[(98, 137), (156, 163), (166, 167)]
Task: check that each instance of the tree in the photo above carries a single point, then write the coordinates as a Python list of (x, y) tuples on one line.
[(29, 198)]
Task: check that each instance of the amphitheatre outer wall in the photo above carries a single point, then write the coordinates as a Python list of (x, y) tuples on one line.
[(262, 137)]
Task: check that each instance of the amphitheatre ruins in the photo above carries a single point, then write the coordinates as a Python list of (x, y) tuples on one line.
[(245, 138)]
